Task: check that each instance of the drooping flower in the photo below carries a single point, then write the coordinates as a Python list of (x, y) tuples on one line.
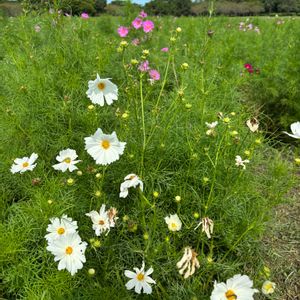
[(173, 222), (137, 23), (240, 162), (207, 226), (237, 287), (188, 263), (165, 49), (37, 28), (123, 31), (154, 74), (252, 124), (140, 280), (295, 128), (85, 15), (143, 14), (268, 287), (148, 26), (104, 148), (135, 42), (60, 227), (67, 160), (211, 126), (24, 164), (69, 251), (144, 66), (102, 221), (131, 180), (102, 89)]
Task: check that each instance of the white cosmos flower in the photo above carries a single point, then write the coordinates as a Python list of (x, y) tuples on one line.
[(67, 160), (173, 222), (235, 288), (102, 89), (295, 128), (268, 287), (24, 164), (101, 221), (69, 251), (140, 280), (240, 162), (211, 125), (104, 148), (59, 227), (131, 180), (188, 263)]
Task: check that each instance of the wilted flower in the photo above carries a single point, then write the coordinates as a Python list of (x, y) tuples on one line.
[(165, 49), (69, 251), (24, 164), (140, 280), (144, 66), (67, 160), (207, 226), (137, 23), (188, 263), (135, 42), (295, 128), (37, 28), (173, 222), (240, 162), (252, 124), (211, 126), (84, 15), (123, 31), (148, 26), (102, 89), (268, 287), (104, 148), (237, 287), (154, 74), (130, 180)]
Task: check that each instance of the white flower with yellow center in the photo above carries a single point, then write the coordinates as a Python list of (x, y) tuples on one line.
[(235, 288), (59, 227), (140, 280), (24, 164), (268, 287), (240, 162), (131, 180), (173, 222), (101, 220), (295, 128), (104, 148), (69, 251), (67, 160), (102, 89)]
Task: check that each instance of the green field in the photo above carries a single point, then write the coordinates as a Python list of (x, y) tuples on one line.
[(185, 169)]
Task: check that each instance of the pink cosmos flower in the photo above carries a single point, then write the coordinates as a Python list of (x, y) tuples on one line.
[(84, 15), (166, 49), (135, 42), (143, 14), (137, 23), (148, 26), (144, 66), (123, 31), (154, 74)]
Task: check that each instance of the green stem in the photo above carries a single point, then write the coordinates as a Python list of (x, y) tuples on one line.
[(143, 127)]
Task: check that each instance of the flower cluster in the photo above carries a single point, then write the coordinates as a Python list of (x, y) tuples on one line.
[(251, 70), (245, 26)]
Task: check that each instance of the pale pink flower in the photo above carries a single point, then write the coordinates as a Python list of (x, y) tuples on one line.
[(135, 42), (143, 14), (144, 66), (137, 23), (148, 26), (165, 49), (84, 15), (123, 31), (154, 74)]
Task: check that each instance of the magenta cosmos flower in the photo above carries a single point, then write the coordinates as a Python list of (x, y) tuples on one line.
[(137, 23), (123, 31), (166, 49), (143, 14), (249, 68), (148, 26), (154, 74), (84, 15), (144, 66)]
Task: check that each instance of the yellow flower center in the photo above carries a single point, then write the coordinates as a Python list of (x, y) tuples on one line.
[(101, 222), (174, 225), (25, 164), (140, 277), (268, 287), (69, 250), (230, 295), (60, 230), (67, 160), (101, 86), (105, 144)]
